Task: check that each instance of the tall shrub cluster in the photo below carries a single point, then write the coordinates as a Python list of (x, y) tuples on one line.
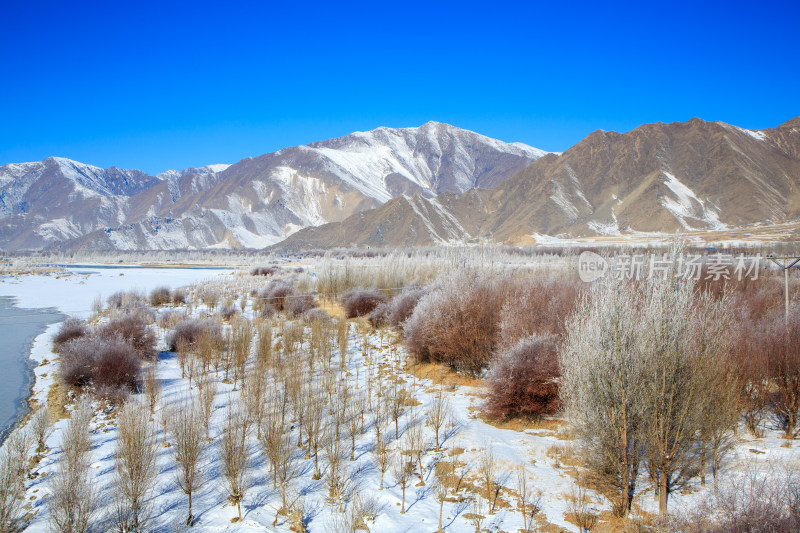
[(457, 322), (281, 295), (107, 357), (474, 321), (641, 366)]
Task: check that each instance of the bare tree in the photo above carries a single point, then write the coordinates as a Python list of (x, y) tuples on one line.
[(286, 468), (336, 480), (437, 414), (579, 508), (487, 473), (403, 470), (315, 424), (440, 492), (207, 392), (783, 356), (152, 387), (414, 445), (475, 514), (186, 426), (529, 501), (264, 343), (73, 496), (136, 467), (383, 456), (234, 448), (42, 428), (11, 491), (18, 445)]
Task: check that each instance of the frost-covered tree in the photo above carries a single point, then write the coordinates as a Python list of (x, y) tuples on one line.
[(636, 366), (603, 380)]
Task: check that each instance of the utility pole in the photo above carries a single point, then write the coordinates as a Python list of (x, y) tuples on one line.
[(784, 263)]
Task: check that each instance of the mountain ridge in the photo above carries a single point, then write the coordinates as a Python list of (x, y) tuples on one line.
[(656, 178), (252, 203)]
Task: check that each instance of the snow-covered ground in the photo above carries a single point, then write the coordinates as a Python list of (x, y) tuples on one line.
[(542, 451)]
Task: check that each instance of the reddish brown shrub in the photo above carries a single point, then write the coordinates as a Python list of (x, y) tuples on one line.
[(132, 329), (189, 332), (361, 303), (160, 296), (456, 323), (117, 365), (298, 304), (103, 362), (539, 306), (523, 380), (76, 364), (782, 348), (71, 328), (276, 293), (265, 270), (379, 316)]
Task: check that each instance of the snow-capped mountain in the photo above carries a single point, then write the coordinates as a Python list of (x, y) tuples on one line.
[(657, 178), (58, 203)]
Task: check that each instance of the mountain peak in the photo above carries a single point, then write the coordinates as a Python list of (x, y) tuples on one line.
[(791, 123)]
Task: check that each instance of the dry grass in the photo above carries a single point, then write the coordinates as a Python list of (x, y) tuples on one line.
[(332, 307), (440, 374), (56, 401), (546, 426)]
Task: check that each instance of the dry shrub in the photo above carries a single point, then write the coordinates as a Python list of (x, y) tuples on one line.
[(299, 304), (378, 317), (71, 328), (170, 319), (316, 314), (265, 270), (160, 296), (523, 380), (210, 297), (538, 306), (126, 300), (457, 322), (132, 328), (403, 305), (758, 502), (189, 332), (178, 297), (276, 293), (229, 312), (77, 360), (107, 363), (782, 350), (117, 365), (361, 303)]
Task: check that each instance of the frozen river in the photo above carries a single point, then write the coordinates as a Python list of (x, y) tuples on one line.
[(18, 328), (28, 304)]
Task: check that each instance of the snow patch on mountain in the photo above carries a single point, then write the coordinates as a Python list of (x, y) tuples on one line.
[(686, 204), (562, 201)]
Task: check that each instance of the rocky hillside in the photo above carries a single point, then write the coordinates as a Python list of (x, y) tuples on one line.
[(656, 178)]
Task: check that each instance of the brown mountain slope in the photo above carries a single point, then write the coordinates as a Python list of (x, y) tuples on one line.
[(656, 178)]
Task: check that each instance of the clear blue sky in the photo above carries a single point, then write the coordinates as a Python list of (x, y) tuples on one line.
[(169, 85)]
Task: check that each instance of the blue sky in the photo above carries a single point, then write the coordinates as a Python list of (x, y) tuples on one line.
[(171, 85)]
